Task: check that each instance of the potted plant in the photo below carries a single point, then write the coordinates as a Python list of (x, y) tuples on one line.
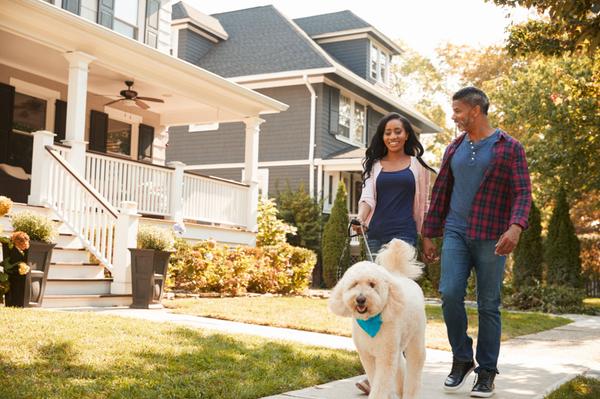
[(26, 258), (149, 262)]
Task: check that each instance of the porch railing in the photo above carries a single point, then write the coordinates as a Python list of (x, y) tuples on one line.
[(81, 207)]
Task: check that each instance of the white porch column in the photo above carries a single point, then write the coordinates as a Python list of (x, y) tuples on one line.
[(159, 145), (40, 170), (125, 237), (76, 105), (176, 192), (251, 169)]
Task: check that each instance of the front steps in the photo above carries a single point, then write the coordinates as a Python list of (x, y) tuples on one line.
[(73, 281)]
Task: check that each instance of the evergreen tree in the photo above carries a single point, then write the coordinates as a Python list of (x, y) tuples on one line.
[(298, 209), (529, 254), (562, 247), (334, 237)]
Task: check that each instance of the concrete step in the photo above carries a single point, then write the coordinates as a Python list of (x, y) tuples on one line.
[(77, 270), (61, 254), (78, 286), (78, 301)]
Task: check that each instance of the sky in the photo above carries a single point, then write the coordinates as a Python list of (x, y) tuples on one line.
[(422, 24)]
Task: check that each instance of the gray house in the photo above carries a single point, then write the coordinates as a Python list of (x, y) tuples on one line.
[(334, 72)]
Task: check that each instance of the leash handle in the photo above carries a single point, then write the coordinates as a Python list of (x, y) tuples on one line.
[(356, 222)]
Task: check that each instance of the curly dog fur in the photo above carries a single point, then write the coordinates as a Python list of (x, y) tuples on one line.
[(387, 287)]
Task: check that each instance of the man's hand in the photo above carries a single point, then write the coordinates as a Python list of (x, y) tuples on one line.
[(509, 240), (429, 250)]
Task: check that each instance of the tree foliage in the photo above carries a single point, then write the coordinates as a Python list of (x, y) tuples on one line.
[(528, 257), (334, 237), (567, 26), (271, 229), (299, 210), (562, 247)]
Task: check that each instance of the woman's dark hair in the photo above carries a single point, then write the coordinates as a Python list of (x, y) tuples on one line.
[(378, 150)]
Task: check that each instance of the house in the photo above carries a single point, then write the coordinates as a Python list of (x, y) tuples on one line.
[(334, 72), (88, 91)]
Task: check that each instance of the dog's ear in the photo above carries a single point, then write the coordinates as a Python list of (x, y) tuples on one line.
[(336, 300)]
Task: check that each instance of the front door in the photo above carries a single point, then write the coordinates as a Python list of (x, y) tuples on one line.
[(21, 115)]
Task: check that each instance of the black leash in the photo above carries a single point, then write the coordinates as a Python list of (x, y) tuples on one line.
[(350, 236)]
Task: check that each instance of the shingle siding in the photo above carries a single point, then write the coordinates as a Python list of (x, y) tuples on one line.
[(353, 54), (283, 136), (191, 46)]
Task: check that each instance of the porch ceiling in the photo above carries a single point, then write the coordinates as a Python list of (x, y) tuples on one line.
[(36, 35)]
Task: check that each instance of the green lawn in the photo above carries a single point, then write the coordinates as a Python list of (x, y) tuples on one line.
[(578, 388), (311, 314), (45, 354)]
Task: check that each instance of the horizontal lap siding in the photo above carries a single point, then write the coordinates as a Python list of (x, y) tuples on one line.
[(353, 54), (220, 146)]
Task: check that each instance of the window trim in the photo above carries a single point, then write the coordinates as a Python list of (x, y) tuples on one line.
[(386, 78), (129, 118), (353, 102), (41, 92)]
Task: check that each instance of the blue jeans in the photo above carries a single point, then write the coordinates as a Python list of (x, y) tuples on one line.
[(375, 244), (459, 255)]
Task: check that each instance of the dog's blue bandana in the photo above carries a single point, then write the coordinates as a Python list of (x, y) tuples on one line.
[(372, 325)]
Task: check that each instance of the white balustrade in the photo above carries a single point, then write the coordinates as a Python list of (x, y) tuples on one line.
[(214, 200), (120, 180)]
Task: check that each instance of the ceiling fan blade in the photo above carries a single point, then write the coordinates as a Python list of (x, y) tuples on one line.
[(142, 104), (157, 100), (114, 101)]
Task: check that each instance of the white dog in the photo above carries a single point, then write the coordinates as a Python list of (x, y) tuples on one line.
[(386, 300)]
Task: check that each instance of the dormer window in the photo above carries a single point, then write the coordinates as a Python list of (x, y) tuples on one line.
[(380, 64)]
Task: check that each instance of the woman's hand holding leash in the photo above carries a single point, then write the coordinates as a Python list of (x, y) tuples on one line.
[(358, 226)]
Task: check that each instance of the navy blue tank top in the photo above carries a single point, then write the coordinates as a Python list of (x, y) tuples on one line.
[(393, 215)]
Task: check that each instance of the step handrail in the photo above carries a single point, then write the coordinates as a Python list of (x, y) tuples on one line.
[(80, 217)]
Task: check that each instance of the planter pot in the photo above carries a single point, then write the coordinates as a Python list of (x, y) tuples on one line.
[(148, 275), (28, 290)]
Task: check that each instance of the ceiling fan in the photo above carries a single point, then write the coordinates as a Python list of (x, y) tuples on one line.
[(131, 96)]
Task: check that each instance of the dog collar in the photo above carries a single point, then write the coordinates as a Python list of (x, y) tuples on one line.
[(372, 325)]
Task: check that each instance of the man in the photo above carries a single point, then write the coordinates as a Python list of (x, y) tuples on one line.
[(480, 204)]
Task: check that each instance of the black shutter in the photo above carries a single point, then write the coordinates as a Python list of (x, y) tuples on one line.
[(106, 13), (73, 6), (145, 142), (60, 120), (7, 102), (152, 18), (98, 131), (334, 110)]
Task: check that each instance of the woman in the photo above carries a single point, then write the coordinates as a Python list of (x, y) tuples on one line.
[(395, 184), (395, 188)]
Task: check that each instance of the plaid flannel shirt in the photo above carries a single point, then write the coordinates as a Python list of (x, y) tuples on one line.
[(503, 198)]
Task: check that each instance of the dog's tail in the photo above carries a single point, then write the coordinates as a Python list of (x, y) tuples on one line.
[(400, 257)]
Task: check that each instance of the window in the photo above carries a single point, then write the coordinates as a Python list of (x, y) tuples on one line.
[(118, 137), (359, 123), (126, 17), (380, 61), (29, 114), (374, 59), (345, 116), (352, 121)]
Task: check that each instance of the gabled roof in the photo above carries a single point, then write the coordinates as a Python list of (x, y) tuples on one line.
[(261, 40), (182, 12), (332, 22), (342, 23)]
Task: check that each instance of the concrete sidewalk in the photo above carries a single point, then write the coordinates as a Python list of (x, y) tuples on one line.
[(530, 366)]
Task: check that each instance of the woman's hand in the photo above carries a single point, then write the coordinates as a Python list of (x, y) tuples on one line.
[(358, 226), (429, 250)]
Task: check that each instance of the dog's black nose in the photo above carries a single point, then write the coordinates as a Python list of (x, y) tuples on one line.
[(361, 299)]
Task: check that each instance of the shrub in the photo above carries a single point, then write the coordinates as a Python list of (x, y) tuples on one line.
[(562, 247), (551, 299), (152, 237), (37, 227), (271, 230), (299, 210), (334, 237), (590, 254), (528, 256)]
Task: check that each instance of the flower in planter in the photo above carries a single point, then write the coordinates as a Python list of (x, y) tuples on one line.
[(38, 227), (5, 205), (20, 240), (151, 237), (23, 268)]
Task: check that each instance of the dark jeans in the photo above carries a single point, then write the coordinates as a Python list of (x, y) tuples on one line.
[(459, 255), (375, 244)]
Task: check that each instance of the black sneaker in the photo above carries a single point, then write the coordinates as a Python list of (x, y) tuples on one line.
[(484, 384), (458, 375)]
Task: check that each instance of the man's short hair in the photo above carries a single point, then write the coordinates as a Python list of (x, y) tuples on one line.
[(473, 96)]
